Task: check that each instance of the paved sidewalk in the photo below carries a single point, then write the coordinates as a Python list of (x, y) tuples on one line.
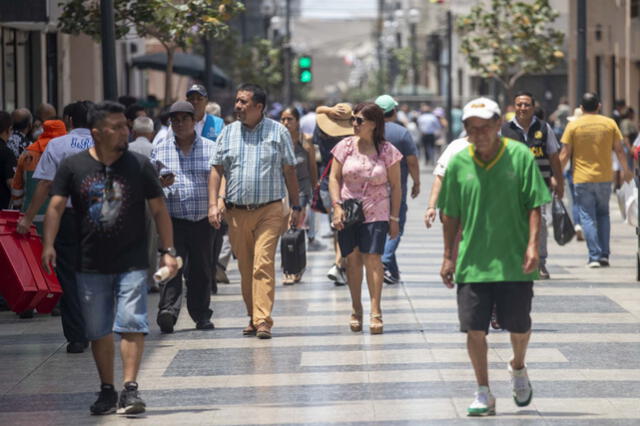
[(583, 358)]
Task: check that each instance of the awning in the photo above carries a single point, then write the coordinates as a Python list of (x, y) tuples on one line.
[(184, 64)]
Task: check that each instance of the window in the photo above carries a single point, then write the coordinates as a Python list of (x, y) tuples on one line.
[(635, 8)]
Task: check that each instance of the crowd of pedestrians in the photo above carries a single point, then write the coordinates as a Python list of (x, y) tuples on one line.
[(125, 195)]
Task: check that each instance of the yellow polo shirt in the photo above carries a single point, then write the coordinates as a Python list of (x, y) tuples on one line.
[(591, 138)]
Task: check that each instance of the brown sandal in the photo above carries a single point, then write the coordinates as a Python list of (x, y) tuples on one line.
[(377, 327), (250, 330), (356, 322), (288, 279)]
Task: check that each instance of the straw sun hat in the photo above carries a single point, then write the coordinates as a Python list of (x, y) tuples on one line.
[(338, 126)]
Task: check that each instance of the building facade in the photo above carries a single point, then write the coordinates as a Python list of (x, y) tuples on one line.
[(40, 64), (613, 51)]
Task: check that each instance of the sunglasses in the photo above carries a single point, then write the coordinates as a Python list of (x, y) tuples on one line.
[(357, 120), (108, 182)]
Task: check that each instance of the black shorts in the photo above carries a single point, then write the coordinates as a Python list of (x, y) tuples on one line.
[(512, 300), (369, 238)]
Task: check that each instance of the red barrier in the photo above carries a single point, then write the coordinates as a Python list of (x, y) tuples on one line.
[(23, 281)]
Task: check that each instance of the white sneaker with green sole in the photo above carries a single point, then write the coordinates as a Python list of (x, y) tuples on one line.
[(522, 391), (484, 403)]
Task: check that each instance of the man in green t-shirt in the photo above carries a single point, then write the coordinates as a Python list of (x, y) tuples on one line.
[(493, 191)]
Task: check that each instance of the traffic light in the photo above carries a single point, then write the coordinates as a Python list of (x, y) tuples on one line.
[(305, 75)]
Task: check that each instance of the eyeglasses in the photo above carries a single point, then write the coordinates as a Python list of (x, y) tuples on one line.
[(357, 120)]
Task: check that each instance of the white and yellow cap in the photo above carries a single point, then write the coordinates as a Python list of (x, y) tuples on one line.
[(484, 108)]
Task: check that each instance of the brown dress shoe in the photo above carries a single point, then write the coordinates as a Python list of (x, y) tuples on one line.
[(250, 330), (264, 331)]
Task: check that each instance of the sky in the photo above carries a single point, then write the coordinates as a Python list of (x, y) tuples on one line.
[(339, 9)]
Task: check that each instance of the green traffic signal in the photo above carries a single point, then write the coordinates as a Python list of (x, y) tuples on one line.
[(304, 62), (306, 76)]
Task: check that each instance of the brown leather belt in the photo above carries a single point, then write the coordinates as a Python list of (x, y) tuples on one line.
[(249, 207)]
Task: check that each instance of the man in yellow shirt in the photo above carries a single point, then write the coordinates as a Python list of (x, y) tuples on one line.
[(588, 142)]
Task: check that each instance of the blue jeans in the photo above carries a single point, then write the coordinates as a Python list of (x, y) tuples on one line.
[(113, 303), (593, 205), (390, 246)]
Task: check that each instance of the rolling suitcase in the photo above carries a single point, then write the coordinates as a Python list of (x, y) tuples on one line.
[(23, 282), (293, 251)]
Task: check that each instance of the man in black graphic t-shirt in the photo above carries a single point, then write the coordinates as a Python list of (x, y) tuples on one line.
[(108, 187)]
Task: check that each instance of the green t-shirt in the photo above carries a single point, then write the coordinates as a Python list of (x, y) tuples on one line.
[(492, 201)]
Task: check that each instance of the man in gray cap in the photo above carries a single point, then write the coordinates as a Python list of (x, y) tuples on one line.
[(400, 137), (183, 159), (209, 126)]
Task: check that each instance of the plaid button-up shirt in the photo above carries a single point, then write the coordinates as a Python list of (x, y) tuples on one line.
[(253, 159), (188, 197)]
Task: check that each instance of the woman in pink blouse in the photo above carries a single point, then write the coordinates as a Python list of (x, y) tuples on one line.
[(366, 167)]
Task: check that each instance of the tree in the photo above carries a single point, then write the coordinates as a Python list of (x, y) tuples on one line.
[(258, 61), (174, 23), (508, 39)]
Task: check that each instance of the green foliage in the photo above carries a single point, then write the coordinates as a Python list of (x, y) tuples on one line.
[(258, 61), (175, 23), (507, 39), (402, 58)]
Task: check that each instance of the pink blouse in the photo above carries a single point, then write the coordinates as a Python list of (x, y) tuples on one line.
[(357, 170)]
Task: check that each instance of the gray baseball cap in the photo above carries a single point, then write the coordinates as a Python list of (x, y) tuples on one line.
[(182, 106)]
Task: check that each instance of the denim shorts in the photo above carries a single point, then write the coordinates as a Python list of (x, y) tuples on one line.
[(369, 238), (113, 303)]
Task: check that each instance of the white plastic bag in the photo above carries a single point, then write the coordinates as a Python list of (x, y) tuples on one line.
[(628, 202)]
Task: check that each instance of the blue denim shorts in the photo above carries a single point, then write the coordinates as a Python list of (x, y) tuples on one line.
[(113, 303), (369, 238)]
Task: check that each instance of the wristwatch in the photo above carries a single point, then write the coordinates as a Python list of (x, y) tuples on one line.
[(296, 208), (169, 250)]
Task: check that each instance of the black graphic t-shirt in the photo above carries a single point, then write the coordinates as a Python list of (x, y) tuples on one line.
[(110, 207)]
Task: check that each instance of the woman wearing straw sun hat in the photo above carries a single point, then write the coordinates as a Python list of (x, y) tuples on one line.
[(333, 125)]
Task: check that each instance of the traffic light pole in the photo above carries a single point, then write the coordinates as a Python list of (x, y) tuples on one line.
[(449, 105), (581, 71), (208, 62), (108, 30), (287, 87)]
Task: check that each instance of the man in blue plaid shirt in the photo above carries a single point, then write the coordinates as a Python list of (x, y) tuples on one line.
[(183, 161), (255, 156)]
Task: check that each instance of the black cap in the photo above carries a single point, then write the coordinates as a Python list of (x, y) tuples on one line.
[(182, 106), (197, 88)]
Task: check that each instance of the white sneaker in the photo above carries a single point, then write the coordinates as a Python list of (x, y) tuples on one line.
[(337, 275), (341, 277), (484, 403), (579, 233), (593, 265), (522, 392)]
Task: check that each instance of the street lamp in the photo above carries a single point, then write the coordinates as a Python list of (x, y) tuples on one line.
[(398, 16), (414, 20)]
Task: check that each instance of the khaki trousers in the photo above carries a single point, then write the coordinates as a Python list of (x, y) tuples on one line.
[(254, 237)]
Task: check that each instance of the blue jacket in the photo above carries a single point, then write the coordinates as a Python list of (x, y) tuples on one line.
[(212, 127)]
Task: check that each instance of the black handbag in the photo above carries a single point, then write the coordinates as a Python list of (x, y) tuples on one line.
[(353, 212), (316, 203), (563, 230)]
